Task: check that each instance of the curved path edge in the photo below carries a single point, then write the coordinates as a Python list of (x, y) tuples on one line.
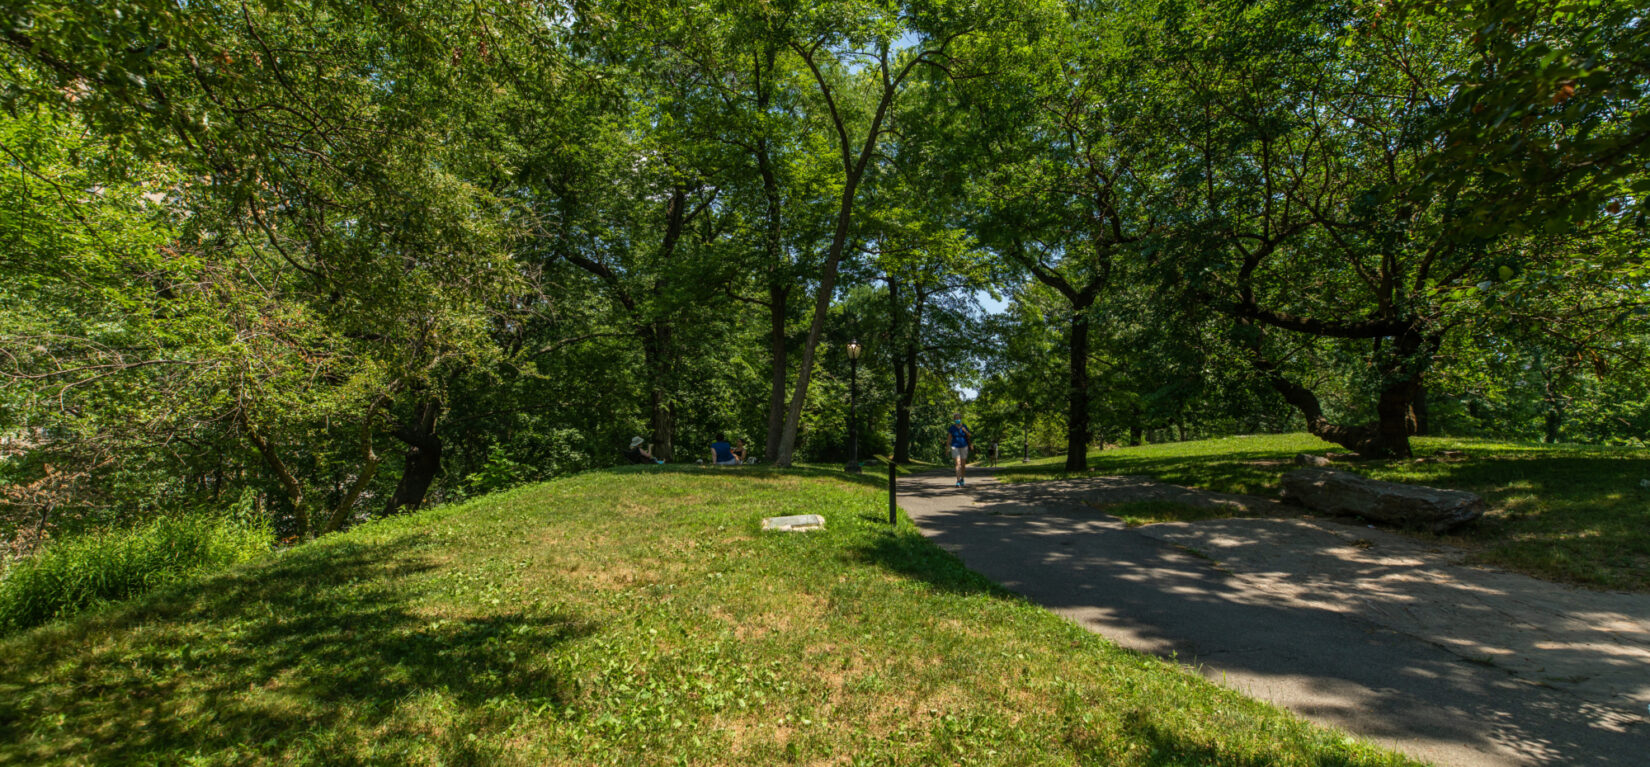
[(1374, 633)]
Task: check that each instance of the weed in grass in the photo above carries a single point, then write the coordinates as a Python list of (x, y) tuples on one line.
[(78, 574)]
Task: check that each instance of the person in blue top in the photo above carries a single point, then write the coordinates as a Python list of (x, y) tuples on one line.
[(960, 440), (722, 453)]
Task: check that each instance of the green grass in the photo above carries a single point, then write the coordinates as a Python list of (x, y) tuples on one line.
[(875, 466), (1573, 514), (635, 616), (81, 573), (1137, 513)]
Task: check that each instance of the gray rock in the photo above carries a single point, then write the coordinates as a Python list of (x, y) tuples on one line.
[(798, 523), (1307, 459), (1392, 503)]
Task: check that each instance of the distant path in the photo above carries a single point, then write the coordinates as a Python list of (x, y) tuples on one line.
[(1369, 631)]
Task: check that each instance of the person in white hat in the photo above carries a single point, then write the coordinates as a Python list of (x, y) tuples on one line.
[(638, 454)]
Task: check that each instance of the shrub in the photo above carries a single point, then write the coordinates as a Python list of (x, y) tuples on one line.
[(81, 573)]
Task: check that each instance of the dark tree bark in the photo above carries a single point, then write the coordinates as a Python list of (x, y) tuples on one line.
[(778, 352), (1388, 435), (1553, 421), (1077, 412), (661, 414), (906, 363), (1422, 412), (422, 461), (779, 287)]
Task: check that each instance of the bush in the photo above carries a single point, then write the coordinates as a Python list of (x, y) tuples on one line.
[(81, 573)]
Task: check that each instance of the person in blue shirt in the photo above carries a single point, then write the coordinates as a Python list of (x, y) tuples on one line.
[(960, 440), (721, 453)]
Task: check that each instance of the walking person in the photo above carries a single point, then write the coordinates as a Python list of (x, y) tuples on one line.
[(960, 439), (991, 453)]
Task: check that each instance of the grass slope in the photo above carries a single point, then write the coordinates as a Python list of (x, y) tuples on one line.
[(634, 616), (1567, 513)]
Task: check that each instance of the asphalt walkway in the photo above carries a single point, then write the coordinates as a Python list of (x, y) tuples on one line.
[(1378, 634)]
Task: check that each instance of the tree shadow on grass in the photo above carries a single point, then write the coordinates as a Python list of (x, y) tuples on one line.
[(907, 553), (321, 645)]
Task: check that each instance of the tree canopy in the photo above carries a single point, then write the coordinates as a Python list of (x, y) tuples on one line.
[(339, 259)]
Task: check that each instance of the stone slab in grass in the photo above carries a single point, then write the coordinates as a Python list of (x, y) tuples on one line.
[(1392, 503), (795, 524)]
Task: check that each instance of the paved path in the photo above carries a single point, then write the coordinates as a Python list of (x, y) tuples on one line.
[(1372, 632)]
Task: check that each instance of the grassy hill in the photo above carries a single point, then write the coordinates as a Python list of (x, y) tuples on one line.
[(1568, 513), (633, 616)]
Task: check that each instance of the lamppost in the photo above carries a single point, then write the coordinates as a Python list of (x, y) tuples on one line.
[(853, 397), (1025, 439)]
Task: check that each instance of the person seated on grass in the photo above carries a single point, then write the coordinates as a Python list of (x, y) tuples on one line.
[(721, 453), (740, 452), (638, 454)]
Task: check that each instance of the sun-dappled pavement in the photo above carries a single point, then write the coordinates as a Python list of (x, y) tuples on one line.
[(1388, 637)]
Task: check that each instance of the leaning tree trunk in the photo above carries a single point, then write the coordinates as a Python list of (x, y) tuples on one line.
[(1388, 436), (1077, 416)]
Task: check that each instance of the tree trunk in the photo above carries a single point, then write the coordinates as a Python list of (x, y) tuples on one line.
[(422, 463), (779, 290), (905, 368), (661, 420), (294, 490), (906, 385), (1421, 412), (369, 470), (1136, 431), (853, 171), (1077, 415), (779, 353), (1388, 436)]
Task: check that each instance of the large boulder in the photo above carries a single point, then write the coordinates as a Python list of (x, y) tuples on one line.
[(1392, 503)]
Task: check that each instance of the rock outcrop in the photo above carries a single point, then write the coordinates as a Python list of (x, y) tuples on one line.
[(1390, 503)]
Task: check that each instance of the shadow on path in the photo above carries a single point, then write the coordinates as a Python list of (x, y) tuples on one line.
[(1293, 635)]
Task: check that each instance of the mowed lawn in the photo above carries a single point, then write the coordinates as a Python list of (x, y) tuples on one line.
[(1567, 513), (636, 617)]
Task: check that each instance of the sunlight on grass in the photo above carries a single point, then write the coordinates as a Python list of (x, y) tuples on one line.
[(1137, 513), (633, 616)]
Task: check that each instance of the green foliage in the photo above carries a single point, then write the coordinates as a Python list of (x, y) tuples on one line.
[(352, 257), (614, 614), (91, 570)]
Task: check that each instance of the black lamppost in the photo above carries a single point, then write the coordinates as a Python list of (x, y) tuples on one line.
[(853, 397), (1025, 439)]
